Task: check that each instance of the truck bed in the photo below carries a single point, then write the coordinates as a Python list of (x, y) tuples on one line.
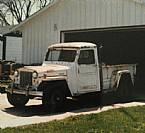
[(109, 73)]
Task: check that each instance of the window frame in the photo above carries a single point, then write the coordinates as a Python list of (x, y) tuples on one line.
[(61, 49), (93, 60)]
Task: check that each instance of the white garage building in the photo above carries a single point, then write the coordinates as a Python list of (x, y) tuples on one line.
[(10, 46), (61, 17)]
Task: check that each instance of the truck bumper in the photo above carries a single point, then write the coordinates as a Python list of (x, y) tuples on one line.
[(26, 92)]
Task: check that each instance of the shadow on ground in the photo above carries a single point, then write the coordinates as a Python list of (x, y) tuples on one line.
[(78, 105)]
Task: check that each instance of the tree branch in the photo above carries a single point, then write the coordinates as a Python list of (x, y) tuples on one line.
[(20, 9)]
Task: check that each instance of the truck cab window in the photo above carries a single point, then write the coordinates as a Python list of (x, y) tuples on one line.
[(64, 55), (86, 57)]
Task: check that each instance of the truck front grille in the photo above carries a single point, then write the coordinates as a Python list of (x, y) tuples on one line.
[(25, 78)]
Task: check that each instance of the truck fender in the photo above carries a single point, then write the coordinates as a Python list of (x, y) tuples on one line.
[(116, 78), (120, 74), (48, 86)]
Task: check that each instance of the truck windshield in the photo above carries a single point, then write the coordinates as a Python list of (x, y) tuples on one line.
[(61, 55)]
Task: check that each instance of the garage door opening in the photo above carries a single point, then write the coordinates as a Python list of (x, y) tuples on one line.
[(123, 45)]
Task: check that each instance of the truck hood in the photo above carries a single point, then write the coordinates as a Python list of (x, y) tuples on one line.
[(49, 70)]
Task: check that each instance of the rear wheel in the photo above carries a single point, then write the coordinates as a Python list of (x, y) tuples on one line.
[(17, 100), (124, 92)]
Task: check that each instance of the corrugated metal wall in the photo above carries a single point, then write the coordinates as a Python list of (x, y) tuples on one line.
[(14, 49), (44, 29)]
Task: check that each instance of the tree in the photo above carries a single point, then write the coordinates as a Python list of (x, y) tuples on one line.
[(19, 9)]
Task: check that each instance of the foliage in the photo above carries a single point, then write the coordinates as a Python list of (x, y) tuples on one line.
[(19, 10), (124, 120)]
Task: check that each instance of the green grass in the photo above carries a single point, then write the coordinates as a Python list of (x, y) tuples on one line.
[(124, 120)]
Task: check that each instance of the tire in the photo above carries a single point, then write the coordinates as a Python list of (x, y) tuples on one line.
[(54, 100), (17, 100), (124, 92)]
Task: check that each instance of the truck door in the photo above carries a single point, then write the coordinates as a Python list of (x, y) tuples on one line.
[(88, 72)]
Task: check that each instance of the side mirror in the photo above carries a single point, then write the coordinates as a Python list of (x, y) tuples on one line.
[(101, 46)]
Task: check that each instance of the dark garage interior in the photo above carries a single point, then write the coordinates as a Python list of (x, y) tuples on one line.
[(122, 45)]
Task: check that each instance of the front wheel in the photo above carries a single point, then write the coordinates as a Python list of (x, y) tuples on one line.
[(17, 100), (54, 100)]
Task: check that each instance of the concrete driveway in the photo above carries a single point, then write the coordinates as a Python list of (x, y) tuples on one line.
[(35, 113)]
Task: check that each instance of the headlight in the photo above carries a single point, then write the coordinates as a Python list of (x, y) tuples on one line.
[(16, 73), (35, 75)]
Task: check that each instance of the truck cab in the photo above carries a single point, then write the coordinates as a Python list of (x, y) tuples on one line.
[(81, 65)]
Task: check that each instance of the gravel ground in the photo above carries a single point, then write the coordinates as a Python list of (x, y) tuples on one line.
[(34, 113)]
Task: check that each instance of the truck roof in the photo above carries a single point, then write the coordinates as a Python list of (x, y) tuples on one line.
[(73, 45)]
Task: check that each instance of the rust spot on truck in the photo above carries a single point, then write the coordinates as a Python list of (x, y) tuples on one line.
[(50, 71)]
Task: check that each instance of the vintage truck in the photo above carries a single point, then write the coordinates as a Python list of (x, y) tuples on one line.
[(69, 70)]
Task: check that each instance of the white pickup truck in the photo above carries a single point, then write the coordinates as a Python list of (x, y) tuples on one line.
[(69, 70)]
